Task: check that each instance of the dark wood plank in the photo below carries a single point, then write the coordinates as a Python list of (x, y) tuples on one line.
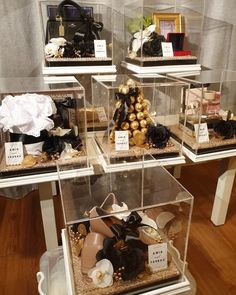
[(22, 244)]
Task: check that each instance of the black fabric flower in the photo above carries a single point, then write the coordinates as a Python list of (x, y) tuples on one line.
[(227, 129), (56, 144), (153, 46), (53, 145), (130, 257), (69, 50), (158, 135)]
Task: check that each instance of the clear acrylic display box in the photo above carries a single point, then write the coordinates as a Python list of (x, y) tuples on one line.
[(123, 218), (145, 114), (208, 118), (149, 22), (42, 120), (97, 15)]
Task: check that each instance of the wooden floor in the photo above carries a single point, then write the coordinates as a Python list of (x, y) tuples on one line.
[(211, 254)]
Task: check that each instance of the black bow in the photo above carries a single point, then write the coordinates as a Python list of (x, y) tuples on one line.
[(128, 227)]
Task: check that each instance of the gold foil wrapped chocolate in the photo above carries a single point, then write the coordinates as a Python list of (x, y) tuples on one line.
[(139, 139), (120, 87), (125, 126), (138, 107), (124, 89), (130, 83), (149, 120), (134, 125), (131, 109), (140, 99), (137, 115), (135, 132), (132, 99), (140, 116), (143, 123), (145, 113), (112, 136), (131, 141), (144, 130), (131, 117), (146, 104)]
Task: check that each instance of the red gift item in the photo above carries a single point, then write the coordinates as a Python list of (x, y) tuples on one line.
[(182, 52), (177, 40)]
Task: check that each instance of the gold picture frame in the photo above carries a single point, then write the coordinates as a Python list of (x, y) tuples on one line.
[(167, 23)]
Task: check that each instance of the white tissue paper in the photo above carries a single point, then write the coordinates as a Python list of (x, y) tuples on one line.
[(27, 113)]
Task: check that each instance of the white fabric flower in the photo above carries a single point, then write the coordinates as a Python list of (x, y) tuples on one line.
[(142, 37), (58, 41), (150, 29), (102, 274), (51, 50), (27, 113), (123, 209)]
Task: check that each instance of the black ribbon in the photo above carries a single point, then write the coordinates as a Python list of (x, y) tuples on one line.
[(128, 227), (121, 112)]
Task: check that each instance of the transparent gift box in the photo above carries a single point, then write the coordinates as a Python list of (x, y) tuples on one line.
[(209, 111), (41, 121), (148, 23), (75, 27), (127, 231), (144, 109)]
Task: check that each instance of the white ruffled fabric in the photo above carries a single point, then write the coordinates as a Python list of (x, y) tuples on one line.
[(27, 113)]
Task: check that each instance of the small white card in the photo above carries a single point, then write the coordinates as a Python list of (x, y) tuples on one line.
[(201, 130), (121, 140), (14, 153), (100, 48), (157, 256), (102, 117), (167, 49)]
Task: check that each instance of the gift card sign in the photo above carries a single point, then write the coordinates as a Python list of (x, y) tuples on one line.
[(167, 49), (100, 48), (201, 132), (14, 153), (102, 117), (121, 140), (157, 256)]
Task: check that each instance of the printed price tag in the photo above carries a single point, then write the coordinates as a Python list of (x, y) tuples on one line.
[(14, 153), (157, 256), (100, 48), (201, 132), (167, 49), (121, 140), (102, 117)]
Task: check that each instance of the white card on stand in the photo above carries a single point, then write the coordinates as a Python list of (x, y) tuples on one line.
[(100, 48), (14, 153), (121, 140), (167, 49), (201, 132), (157, 256)]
